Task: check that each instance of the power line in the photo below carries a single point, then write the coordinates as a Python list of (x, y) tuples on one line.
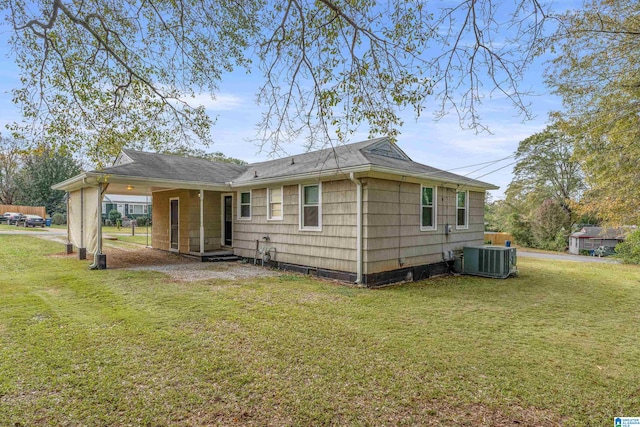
[(483, 164), (496, 170)]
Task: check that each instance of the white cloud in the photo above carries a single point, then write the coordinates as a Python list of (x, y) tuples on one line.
[(220, 102)]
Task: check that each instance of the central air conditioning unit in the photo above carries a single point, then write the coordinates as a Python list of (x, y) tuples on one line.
[(490, 261)]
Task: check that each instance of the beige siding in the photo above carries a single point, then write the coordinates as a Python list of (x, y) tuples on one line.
[(392, 235), (331, 248), (189, 220)]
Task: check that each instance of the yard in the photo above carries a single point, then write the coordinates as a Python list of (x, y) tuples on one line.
[(557, 345)]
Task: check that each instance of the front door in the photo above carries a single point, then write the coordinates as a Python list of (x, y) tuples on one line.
[(228, 220), (173, 221)]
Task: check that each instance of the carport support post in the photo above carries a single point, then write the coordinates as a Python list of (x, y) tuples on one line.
[(82, 251), (201, 222), (99, 259), (69, 244)]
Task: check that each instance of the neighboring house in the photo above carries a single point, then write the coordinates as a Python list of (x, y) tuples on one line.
[(128, 206), (362, 212), (590, 238)]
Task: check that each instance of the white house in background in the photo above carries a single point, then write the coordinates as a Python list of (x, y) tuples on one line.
[(129, 206), (590, 238)]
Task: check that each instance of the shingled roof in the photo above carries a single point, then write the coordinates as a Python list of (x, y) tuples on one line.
[(615, 233), (374, 154), (168, 166)]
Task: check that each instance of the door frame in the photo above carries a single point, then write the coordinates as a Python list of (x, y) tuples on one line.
[(222, 220), (171, 199)]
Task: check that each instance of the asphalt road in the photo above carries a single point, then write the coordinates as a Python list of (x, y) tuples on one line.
[(566, 257), (37, 231)]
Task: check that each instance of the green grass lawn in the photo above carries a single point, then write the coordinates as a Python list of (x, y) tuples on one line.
[(558, 345), (140, 239)]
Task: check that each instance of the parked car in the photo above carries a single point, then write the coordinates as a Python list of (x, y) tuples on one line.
[(13, 217), (604, 251), (31, 221)]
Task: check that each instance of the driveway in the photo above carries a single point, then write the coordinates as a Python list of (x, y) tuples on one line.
[(565, 257)]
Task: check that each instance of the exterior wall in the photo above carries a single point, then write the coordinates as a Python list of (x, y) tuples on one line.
[(574, 245), (392, 235), (332, 248), (189, 220)]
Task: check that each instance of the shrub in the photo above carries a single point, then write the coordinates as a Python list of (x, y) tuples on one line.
[(114, 216), (58, 219), (142, 221), (629, 250)]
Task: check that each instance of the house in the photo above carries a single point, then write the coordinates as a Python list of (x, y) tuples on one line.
[(590, 238), (362, 212), (129, 206)]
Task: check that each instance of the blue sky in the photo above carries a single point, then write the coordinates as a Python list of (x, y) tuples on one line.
[(442, 144)]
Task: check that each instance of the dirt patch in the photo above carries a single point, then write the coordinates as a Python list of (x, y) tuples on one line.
[(132, 255), (203, 271)]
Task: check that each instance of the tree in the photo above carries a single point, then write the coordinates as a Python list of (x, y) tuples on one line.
[(551, 226), (547, 184), (41, 169), (629, 250), (597, 74), (546, 169), (10, 153), (99, 75)]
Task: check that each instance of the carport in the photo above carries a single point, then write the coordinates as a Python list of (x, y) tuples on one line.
[(192, 202)]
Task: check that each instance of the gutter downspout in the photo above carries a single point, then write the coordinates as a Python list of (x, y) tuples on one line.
[(201, 195), (358, 184)]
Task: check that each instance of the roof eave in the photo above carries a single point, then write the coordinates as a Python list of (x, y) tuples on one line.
[(91, 179), (170, 183), (467, 183), (71, 183)]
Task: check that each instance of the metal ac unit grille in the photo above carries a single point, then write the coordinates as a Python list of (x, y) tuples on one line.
[(490, 261)]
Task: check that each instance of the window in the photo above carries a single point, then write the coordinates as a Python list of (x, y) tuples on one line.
[(275, 203), (137, 209), (462, 200), (244, 209), (428, 209), (310, 207)]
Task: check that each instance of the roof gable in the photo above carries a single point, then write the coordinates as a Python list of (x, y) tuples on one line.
[(386, 148)]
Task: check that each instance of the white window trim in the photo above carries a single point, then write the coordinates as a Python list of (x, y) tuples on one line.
[(301, 227), (434, 227), (132, 209), (275, 218), (466, 211), (245, 218)]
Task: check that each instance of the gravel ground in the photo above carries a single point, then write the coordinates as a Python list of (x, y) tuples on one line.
[(178, 267), (132, 256)]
